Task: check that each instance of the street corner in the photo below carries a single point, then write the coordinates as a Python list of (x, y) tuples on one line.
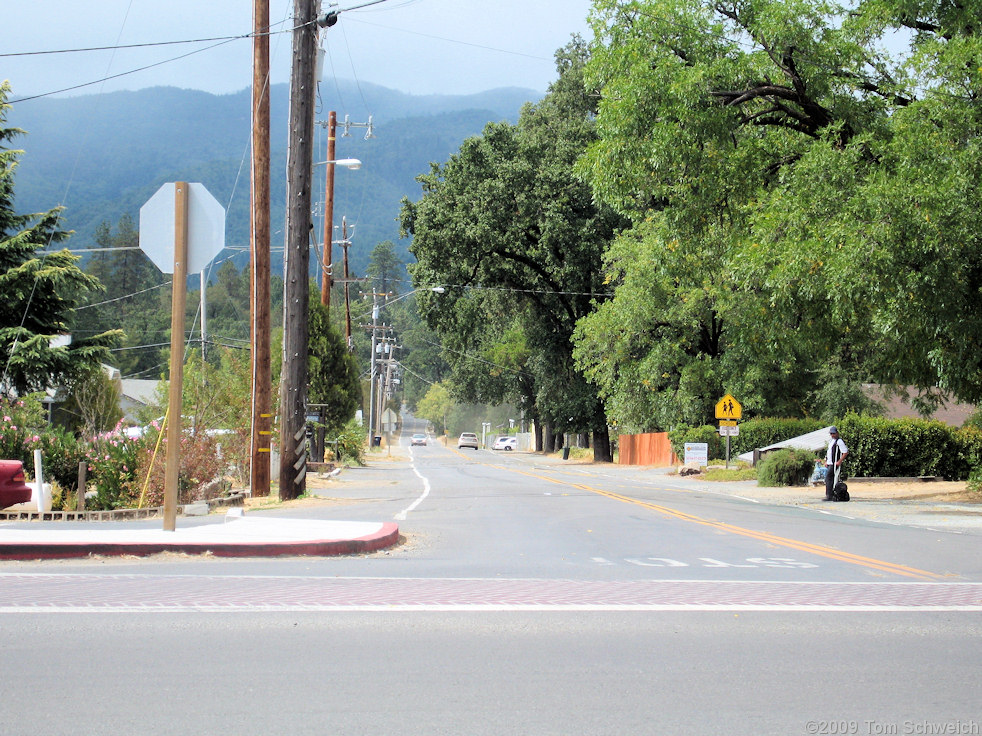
[(238, 537)]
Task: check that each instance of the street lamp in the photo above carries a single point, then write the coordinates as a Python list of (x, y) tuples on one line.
[(349, 163)]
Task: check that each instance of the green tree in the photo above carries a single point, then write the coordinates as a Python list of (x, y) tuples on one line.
[(384, 267), (506, 215), (134, 300), (782, 175), (333, 372), (436, 407), (40, 292)]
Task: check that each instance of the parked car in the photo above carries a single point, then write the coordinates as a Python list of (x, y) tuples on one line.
[(13, 489), (418, 439), (505, 443), (467, 439)]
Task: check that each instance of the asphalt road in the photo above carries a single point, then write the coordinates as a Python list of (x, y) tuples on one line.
[(528, 597)]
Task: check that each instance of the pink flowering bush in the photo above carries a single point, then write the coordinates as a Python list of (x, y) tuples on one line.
[(113, 459)]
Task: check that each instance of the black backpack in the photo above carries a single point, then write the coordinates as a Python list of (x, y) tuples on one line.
[(840, 491)]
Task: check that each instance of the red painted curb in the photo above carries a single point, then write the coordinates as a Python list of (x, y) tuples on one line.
[(385, 537)]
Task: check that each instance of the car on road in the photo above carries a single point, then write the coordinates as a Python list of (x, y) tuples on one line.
[(505, 443), (467, 439), (418, 439), (13, 489)]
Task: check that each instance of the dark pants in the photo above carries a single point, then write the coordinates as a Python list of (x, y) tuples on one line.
[(829, 481)]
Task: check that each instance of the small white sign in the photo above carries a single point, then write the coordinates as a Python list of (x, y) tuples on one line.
[(731, 431), (697, 453)]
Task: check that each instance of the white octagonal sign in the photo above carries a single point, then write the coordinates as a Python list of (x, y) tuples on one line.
[(206, 228)]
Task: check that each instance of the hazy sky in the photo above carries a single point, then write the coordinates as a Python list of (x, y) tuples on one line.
[(415, 46)]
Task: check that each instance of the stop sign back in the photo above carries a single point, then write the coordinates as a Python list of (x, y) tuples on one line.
[(206, 228)]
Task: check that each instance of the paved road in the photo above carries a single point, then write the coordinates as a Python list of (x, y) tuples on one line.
[(529, 597)]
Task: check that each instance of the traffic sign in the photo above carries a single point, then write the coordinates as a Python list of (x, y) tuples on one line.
[(728, 408), (727, 422), (725, 431), (205, 223)]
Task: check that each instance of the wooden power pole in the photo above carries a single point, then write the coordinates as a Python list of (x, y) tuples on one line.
[(327, 280), (296, 297), (262, 417)]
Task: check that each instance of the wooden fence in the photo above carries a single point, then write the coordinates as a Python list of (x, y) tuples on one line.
[(652, 448)]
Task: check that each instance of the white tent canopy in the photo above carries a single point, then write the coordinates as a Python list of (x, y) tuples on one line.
[(813, 441)]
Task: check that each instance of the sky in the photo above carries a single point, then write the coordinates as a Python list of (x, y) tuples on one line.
[(414, 46)]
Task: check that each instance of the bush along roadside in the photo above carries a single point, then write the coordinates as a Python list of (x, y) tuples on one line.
[(878, 447), (785, 468)]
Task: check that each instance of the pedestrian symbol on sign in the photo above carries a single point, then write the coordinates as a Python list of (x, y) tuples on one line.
[(728, 408)]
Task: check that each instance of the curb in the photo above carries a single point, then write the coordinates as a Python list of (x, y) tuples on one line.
[(386, 536)]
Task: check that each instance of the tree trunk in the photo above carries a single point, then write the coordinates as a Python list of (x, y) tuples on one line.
[(537, 427), (601, 446), (550, 439)]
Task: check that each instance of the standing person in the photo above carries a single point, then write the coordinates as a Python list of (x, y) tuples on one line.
[(833, 461)]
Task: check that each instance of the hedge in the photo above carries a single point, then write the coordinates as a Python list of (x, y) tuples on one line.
[(878, 447)]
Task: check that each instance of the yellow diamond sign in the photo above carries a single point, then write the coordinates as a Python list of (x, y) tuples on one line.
[(728, 408)]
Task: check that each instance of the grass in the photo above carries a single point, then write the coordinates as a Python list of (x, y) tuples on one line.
[(722, 474)]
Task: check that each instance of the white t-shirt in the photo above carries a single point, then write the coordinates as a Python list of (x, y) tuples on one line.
[(842, 450)]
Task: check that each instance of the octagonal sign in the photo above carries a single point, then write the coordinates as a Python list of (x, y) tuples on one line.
[(206, 228)]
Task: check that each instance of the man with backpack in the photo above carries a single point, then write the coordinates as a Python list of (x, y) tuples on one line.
[(834, 456)]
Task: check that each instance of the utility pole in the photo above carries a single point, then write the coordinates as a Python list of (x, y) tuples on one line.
[(327, 273), (296, 302), (347, 280), (328, 254), (259, 302)]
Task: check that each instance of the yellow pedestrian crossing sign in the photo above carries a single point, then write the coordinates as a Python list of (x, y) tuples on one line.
[(728, 408)]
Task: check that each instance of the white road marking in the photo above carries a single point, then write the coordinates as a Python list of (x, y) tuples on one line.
[(401, 516)]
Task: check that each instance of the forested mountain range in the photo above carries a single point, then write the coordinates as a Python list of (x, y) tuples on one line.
[(103, 156)]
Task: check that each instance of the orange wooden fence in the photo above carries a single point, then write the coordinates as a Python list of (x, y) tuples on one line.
[(652, 448)]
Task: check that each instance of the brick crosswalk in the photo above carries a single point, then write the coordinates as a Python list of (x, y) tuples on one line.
[(144, 593)]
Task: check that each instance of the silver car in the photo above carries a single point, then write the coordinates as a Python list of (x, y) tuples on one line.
[(467, 439)]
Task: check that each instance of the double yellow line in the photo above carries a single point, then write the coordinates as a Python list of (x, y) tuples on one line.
[(815, 549)]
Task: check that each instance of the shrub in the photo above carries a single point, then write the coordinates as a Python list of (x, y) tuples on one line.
[(707, 433), (351, 443), (112, 458), (200, 464), (785, 468), (907, 447)]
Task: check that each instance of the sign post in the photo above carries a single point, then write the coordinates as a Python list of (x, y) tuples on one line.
[(728, 410), (182, 228)]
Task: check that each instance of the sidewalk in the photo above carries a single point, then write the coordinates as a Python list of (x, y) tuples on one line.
[(228, 536)]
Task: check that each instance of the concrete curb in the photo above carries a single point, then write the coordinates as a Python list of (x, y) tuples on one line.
[(261, 540)]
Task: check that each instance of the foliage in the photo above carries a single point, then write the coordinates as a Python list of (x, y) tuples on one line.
[(909, 448), (706, 433), (202, 461), (785, 468), (113, 459), (40, 292), (733, 474), (435, 407), (61, 453), (21, 420), (92, 405), (754, 433), (350, 446), (517, 240), (332, 371), (802, 204)]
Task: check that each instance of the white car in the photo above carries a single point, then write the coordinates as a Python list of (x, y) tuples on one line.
[(467, 439), (419, 439), (505, 443)]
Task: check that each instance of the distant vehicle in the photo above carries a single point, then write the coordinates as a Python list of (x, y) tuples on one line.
[(467, 439), (418, 439), (13, 489), (505, 443)]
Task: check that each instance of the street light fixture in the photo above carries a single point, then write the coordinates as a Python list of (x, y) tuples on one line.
[(348, 163)]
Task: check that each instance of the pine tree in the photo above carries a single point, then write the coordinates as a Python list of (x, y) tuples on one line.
[(40, 291)]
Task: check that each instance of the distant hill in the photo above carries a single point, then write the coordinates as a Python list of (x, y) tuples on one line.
[(103, 156)]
